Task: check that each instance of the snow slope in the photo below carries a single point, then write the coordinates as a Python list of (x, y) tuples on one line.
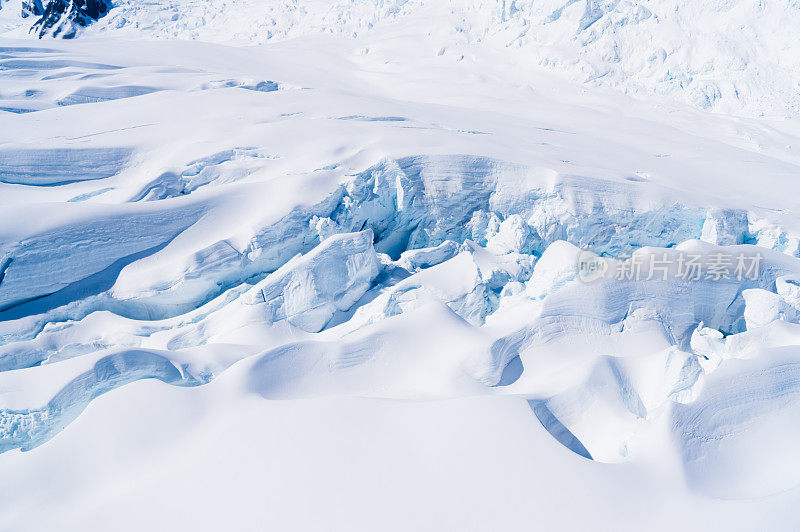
[(337, 280), (725, 55)]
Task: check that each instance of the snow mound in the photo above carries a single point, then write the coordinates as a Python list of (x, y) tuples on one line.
[(741, 425)]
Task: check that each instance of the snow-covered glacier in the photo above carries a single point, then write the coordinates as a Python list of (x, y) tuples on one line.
[(399, 265)]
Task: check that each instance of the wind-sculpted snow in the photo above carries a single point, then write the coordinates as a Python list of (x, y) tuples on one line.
[(37, 79), (741, 425), (54, 166), (396, 358), (53, 259), (104, 94), (218, 169), (26, 429)]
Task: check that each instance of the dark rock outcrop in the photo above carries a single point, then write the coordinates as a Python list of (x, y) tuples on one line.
[(63, 18), (32, 8)]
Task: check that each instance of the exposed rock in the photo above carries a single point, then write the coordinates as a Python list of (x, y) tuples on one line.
[(63, 18), (32, 8)]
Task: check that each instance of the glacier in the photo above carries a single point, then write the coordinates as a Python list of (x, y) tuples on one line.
[(315, 265)]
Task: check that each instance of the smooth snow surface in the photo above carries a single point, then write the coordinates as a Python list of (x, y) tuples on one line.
[(307, 265)]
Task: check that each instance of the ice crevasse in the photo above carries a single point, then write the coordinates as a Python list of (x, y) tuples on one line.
[(317, 302)]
